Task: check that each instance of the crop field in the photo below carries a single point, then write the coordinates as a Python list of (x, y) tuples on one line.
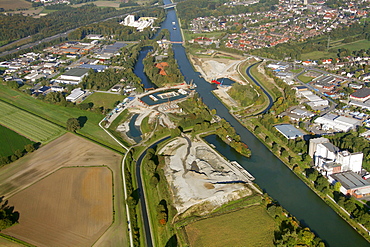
[(104, 99), (71, 207), (15, 4), (33, 127), (59, 114), (250, 226), (11, 141), (114, 4), (61, 204)]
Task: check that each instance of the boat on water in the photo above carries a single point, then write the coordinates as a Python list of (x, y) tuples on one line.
[(216, 82), (152, 97), (173, 23)]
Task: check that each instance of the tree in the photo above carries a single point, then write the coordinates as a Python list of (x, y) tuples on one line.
[(29, 148), (337, 186), (321, 183), (7, 215), (18, 153), (73, 124)]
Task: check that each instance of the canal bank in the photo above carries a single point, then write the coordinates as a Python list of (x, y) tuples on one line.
[(271, 174)]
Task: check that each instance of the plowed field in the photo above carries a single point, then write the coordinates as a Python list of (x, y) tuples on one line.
[(64, 194), (71, 207)]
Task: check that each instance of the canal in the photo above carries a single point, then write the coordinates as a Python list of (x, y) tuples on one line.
[(271, 174)]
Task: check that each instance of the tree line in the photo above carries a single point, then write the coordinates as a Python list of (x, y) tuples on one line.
[(113, 28), (29, 148), (17, 26)]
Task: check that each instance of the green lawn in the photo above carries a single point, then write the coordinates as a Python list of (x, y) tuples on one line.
[(317, 55), (296, 70), (354, 46), (189, 36), (251, 226), (106, 100), (305, 79), (59, 114), (11, 141), (31, 126)]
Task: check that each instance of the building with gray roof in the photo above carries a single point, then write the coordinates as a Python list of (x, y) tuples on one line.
[(289, 131), (352, 184)]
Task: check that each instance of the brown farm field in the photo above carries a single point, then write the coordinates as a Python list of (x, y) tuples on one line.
[(74, 208), (251, 226), (15, 4), (66, 190)]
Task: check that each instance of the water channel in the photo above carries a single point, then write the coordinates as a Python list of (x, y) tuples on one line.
[(271, 174)]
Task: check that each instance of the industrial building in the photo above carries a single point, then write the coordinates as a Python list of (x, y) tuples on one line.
[(337, 123), (75, 95), (289, 131), (314, 100), (362, 95), (73, 76), (140, 24), (328, 159), (351, 184)]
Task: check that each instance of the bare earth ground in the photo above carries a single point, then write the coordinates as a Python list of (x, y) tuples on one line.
[(74, 208), (68, 151), (201, 180), (213, 68), (14, 4)]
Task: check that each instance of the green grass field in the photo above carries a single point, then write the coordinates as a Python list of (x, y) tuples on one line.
[(11, 141), (189, 35), (31, 126), (104, 99), (59, 114), (251, 226), (354, 46), (305, 79)]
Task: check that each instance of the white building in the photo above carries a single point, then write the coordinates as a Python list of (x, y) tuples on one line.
[(73, 76), (140, 24), (328, 159), (337, 123), (129, 20), (75, 94), (314, 100)]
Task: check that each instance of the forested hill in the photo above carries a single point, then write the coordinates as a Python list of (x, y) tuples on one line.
[(191, 9), (17, 26)]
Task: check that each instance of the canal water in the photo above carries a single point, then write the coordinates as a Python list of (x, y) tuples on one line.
[(139, 68), (271, 174), (134, 132)]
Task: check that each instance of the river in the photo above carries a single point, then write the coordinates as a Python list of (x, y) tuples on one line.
[(271, 174)]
